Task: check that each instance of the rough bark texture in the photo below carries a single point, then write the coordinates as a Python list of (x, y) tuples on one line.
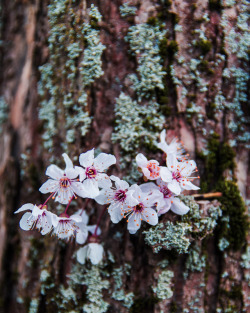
[(202, 99)]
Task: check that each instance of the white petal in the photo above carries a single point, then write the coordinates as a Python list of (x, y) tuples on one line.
[(54, 219), (120, 184), (148, 187), (26, 222), (103, 180), (134, 222), (64, 195), (150, 216), (47, 224), (105, 196), (50, 185), (166, 175), (163, 206), (146, 173), (92, 228), (82, 234), (82, 254), (163, 136), (141, 160), (95, 253), (37, 211), (187, 185), (174, 186), (79, 189), (68, 162), (187, 168), (54, 172), (91, 188), (115, 212), (81, 173), (179, 207), (76, 218), (152, 198), (27, 206), (103, 161), (71, 173), (172, 162), (86, 159)]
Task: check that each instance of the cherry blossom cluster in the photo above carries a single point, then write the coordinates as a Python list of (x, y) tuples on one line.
[(135, 203)]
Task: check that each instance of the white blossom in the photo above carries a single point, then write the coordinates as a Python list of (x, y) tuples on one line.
[(150, 169), (92, 251), (142, 210), (63, 184), (92, 174), (66, 227), (174, 147), (38, 218), (177, 174), (119, 198)]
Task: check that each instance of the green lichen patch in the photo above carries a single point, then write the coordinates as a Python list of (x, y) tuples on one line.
[(195, 261), (168, 236), (163, 288)]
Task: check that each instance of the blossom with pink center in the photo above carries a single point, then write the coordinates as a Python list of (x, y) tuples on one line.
[(119, 198), (177, 174), (38, 218), (66, 227), (142, 210), (92, 174), (174, 147), (150, 169), (168, 201), (63, 184)]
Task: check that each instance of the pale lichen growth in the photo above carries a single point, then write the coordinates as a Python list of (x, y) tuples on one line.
[(163, 289), (127, 10), (246, 259), (33, 308), (119, 294), (136, 126), (223, 244), (195, 261), (144, 42), (74, 63), (3, 112), (168, 236)]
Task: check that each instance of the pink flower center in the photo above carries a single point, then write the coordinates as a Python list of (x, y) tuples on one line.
[(120, 196), (177, 176), (64, 182), (154, 169), (139, 208), (166, 192), (91, 172)]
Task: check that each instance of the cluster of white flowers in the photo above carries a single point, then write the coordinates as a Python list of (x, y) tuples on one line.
[(136, 203)]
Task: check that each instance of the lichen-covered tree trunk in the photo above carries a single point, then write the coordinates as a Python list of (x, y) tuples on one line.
[(78, 74)]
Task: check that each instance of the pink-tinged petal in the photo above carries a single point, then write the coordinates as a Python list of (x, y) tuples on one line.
[(146, 173), (134, 222), (163, 206), (95, 253), (25, 207), (187, 185), (81, 173), (103, 161), (115, 212), (120, 184), (165, 174), (71, 173), (179, 207), (91, 229), (78, 189), (81, 255), (148, 187), (187, 168), (68, 162), (105, 196), (26, 221), (141, 160), (54, 172), (150, 216), (172, 162), (86, 159), (91, 188), (174, 186), (103, 180), (50, 185)]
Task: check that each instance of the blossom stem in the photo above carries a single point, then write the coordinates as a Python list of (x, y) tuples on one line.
[(65, 212), (98, 221), (85, 205), (52, 194)]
